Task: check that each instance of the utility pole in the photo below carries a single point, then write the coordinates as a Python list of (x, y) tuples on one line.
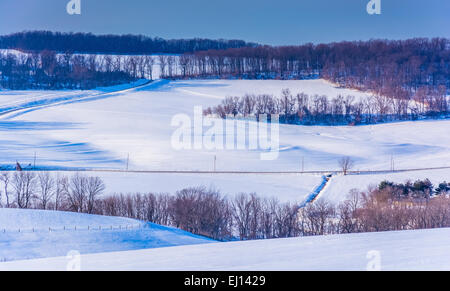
[(128, 160), (215, 162), (303, 164), (34, 163), (392, 163)]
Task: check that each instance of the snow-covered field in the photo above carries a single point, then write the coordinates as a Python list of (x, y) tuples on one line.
[(112, 128), (404, 250), (30, 234), (103, 131)]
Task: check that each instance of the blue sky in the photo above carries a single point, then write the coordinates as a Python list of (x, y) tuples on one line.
[(275, 22)]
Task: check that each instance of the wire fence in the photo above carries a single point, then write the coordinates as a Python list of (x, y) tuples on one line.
[(30, 167), (74, 228)]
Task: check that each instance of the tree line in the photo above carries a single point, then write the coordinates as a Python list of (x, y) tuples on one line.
[(87, 43), (390, 206), (42, 190), (48, 70), (396, 69), (341, 110)]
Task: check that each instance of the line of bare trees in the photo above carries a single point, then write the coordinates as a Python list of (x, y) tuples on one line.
[(41, 190), (320, 109), (48, 70), (396, 207), (389, 68), (390, 206), (110, 44), (207, 212)]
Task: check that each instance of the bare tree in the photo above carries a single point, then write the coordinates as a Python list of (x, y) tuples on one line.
[(286, 220), (24, 184), (346, 164), (162, 64), (242, 215), (184, 62), (149, 62), (94, 187), (247, 212), (171, 62), (46, 189), (61, 191), (77, 193), (347, 212), (317, 218), (5, 178)]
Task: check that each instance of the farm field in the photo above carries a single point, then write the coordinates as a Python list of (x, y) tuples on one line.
[(132, 127), (124, 127)]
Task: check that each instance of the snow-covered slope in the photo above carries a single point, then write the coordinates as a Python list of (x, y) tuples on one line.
[(28, 234), (405, 250), (19, 102), (102, 133)]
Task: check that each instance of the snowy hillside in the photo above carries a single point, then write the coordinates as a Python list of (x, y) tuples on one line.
[(28, 234), (405, 250), (102, 133)]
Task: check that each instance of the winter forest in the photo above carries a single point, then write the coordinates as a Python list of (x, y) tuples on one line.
[(415, 69)]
